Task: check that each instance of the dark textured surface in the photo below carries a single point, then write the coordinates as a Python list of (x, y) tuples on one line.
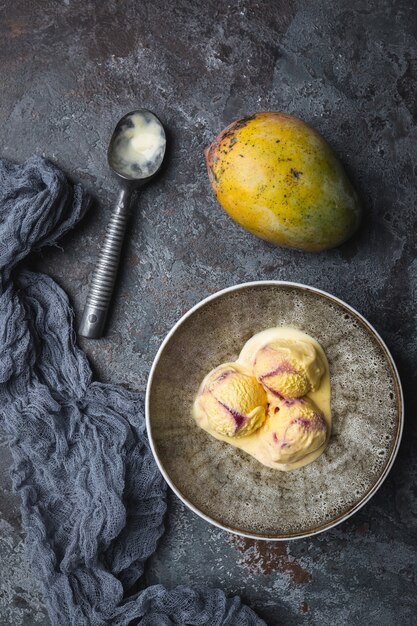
[(68, 70)]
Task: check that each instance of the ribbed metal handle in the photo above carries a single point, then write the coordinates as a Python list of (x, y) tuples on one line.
[(105, 273)]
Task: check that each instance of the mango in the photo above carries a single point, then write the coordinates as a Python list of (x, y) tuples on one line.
[(278, 178)]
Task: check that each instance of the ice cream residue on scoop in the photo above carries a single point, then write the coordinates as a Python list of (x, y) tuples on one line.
[(138, 145)]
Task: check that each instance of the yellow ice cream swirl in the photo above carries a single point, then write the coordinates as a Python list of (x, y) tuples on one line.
[(294, 428), (288, 369), (233, 402)]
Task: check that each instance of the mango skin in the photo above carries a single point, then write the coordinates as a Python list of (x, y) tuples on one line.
[(279, 179)]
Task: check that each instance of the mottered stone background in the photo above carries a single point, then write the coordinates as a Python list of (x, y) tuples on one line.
[(69, 69)]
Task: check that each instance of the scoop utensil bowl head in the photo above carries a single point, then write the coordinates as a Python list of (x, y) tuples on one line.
[(137, 146)]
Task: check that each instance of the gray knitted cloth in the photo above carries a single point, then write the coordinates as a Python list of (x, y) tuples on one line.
[(93, 500)]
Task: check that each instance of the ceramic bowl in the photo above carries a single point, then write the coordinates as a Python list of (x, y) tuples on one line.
[(230, 488)]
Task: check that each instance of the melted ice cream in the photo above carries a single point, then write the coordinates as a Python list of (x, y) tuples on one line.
[(137, 146), (295, 433)]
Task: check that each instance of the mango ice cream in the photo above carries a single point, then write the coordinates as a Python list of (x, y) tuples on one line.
[(295, 428), (234, 403), (289, 369), (273, 402)]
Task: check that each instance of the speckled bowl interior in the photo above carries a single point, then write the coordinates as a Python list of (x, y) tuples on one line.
[(232, 489)]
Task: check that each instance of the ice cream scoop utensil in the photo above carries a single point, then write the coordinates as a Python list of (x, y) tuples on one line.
[(135, 155)]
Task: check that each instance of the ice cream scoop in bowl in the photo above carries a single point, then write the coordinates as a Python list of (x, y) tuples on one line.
[(136, 152)]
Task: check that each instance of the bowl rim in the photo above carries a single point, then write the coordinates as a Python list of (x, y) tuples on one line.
[(400, 417)]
